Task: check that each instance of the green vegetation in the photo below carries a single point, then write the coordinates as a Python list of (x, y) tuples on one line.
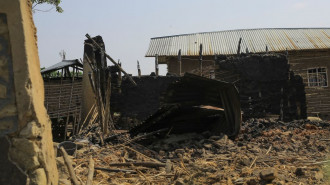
[(54, 3), (56, 74)]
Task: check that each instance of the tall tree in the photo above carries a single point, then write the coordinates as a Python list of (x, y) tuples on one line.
[(54, 3)]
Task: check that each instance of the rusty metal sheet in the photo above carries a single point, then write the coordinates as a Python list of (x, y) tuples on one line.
[(255, 40)]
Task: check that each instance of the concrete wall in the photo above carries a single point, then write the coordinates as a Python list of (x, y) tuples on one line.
[(318, 98), (27, 153)]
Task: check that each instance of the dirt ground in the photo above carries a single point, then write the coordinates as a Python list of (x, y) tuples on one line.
[(266, 152)]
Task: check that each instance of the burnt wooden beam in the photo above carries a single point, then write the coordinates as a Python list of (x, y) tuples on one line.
[(239, 46), (156, 65), (112, 60), (201, 59), (180, 63), (138, 68)]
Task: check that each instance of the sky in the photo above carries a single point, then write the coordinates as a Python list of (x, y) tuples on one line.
[(127, 25)]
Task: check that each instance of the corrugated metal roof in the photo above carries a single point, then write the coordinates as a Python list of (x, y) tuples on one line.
[(62, 64), (226, 42)]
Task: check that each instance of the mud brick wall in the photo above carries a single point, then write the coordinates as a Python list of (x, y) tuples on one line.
[(142, 100), (27, 153), (265, 84)]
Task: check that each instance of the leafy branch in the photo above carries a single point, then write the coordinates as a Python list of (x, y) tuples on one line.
[(54, 3)]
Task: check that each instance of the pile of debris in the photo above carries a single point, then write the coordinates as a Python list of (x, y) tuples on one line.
[(267, 151), (196, 135), (196, 104)]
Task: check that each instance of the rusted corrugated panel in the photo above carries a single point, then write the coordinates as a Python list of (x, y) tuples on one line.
[(62, 64), (256, 40)]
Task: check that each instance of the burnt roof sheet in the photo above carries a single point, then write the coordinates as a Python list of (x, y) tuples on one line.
[(62, 64)]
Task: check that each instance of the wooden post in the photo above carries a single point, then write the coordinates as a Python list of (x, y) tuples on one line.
[(68, 164), (90, 171), (119, 73), (239, 46), (138, 68), (156, 65), (59, 99), (68, 115), (180, 63), (201, 59), (281, 106), (286, 52)]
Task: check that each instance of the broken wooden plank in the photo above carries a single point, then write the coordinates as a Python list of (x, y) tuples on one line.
[(90, 171), (144, 164), (68, 164)]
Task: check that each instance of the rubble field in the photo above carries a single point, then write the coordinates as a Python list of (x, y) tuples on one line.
[(265, 152)]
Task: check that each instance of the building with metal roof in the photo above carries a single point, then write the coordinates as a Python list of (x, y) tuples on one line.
[(307, 50), (253, 40)]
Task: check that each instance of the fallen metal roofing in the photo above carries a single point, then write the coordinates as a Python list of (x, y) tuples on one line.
[(62, 64), (255, 40)]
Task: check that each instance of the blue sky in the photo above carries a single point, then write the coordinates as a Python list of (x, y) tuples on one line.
[(127, 25)]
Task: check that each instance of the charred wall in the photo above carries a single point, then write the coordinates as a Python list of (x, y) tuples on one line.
[(140, 101), (266, 85)]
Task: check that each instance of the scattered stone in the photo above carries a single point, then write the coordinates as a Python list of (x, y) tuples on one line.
[(245, 161), (319, 175), (239, 181), (299, 172), (179, 181), (280, 183), (268, 174), (179, 151), (208, 146), (252, 181), (310, 127), (168, 166)]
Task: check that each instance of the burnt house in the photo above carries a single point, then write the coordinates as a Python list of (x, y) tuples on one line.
[(307, 51), (63, 94)]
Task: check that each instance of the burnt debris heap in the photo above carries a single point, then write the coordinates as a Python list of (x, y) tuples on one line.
[(196, 104)]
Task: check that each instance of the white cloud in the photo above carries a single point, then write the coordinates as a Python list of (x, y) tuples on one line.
[(300, 5)]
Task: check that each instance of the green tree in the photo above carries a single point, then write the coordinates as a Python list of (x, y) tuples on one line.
[(54, 3)]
